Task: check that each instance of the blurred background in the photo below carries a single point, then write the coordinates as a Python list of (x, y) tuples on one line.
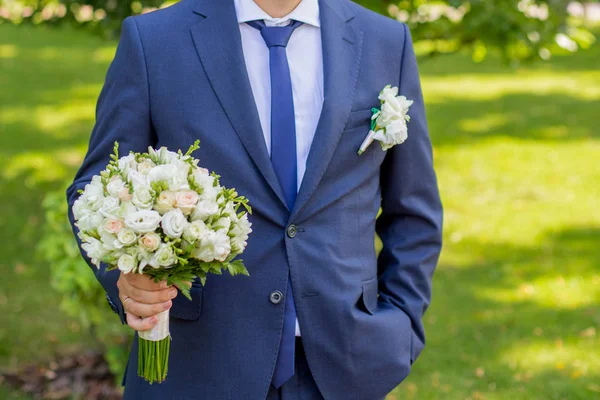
[(512, 89)]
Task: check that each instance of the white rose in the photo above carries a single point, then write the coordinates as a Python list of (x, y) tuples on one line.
[(90, 222), (162, 173), (186, 201), (80, 208), (205, 208), (112, 225), (126, 236), (143, 221), (145, 166), (194, 231), (164, 257), (142, 198), (115, 186), (150, 241), (110, 207), (173, 223), (137, 179), (93, 193), (94, 250), (126, 263), (165, 201)]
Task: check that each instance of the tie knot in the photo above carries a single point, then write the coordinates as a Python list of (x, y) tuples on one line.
[(275, 35)]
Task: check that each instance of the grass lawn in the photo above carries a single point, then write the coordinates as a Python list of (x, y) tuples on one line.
[(515, 311)]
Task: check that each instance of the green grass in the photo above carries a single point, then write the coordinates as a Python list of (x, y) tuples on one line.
[(517, 293)]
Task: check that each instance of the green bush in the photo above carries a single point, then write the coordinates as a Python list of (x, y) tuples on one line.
[(82, 296)]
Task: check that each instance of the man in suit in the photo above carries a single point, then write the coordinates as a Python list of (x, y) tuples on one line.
[(280, 94)]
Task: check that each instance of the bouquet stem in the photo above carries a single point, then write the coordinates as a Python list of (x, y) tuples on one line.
[(153, 350)]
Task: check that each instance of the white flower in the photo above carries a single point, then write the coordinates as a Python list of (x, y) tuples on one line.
[(142, 197), (194, 231), (150, 241), (239, 233), (143, 221), (80, 208), (90, 222), (162, 155), (93, 194), (174, 174), (126, 263), (126, 236), (110, 207), (127, 163), (126, 209), (223, 223), (145, 166), (115, 186), (204, 209), (112, 225), (186, 201), (137, 179), (390, 122), (164, 257), (173, 223), (213, 246), (165, 201), (94, 250)]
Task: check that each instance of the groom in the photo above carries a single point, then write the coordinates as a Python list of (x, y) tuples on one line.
[(280, 93)]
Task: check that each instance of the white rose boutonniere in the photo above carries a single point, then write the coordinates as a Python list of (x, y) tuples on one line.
[(388, 124)]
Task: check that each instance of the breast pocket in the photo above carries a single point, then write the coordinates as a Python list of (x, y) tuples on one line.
[(360, 118), (183, 308)]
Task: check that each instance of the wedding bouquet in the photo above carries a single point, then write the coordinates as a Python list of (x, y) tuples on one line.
[(160, 214)]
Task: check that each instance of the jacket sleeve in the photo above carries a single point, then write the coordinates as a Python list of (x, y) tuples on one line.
[(123, 115), (410, 225)]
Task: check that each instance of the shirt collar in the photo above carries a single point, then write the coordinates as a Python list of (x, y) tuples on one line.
[(306, 12)]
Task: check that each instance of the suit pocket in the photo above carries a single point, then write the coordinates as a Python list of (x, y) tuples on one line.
[(358, 119), (368, 297), (187, 309)]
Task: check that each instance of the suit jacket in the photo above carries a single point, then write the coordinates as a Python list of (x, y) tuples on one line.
[(179, 75)]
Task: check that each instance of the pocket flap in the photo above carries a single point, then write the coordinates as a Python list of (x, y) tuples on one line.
[(187, 309), (369, 295)]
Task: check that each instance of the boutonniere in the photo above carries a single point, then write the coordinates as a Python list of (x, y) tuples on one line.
[(388, 124)]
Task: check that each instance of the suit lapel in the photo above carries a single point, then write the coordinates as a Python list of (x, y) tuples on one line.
[(342, 50), (218, 43)]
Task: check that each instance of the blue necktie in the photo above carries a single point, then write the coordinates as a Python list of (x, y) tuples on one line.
[(283, 158)]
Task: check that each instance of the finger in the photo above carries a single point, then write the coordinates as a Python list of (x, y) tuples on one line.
[(145, 310), (144, 282), (151, 297), (141, 324)]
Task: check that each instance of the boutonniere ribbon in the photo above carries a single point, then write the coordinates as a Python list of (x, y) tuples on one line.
[(389, 123)]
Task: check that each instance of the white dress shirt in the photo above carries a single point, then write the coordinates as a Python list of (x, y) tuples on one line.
[(305, 59)]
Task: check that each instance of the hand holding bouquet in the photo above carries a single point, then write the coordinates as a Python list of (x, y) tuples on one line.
[(160, 214)]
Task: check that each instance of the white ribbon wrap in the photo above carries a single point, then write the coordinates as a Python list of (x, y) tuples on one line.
[(160, 330), (367, 142)]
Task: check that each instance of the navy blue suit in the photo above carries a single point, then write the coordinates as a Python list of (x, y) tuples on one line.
[(179, 75)]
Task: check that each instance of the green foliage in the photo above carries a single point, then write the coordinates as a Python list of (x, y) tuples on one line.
[(518, 29), (82, 296)]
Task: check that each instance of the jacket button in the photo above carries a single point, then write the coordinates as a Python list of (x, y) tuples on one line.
[(276, 297), (292, 231)]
